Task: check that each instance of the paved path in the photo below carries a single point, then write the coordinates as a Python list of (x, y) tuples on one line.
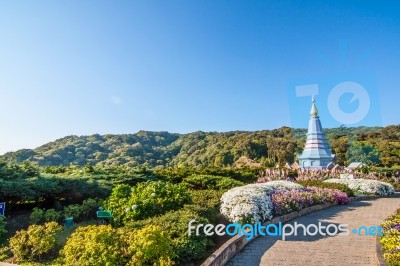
[(317, 250)]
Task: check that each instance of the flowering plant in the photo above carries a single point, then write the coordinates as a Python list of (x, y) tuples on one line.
[(366, 186), (324, 195), (288, 201), (391, 238), (260, 202), (252, 203)]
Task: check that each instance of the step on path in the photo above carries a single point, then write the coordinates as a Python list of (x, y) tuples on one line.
[(323, 250)]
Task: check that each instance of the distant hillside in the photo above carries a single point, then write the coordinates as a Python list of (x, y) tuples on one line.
[(152, 149)]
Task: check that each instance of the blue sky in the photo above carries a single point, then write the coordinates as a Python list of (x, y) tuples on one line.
[(85, 67)]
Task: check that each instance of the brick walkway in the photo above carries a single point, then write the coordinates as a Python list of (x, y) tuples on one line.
[(318, 250)]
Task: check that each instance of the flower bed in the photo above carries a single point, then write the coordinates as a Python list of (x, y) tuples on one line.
[(260, 202), (324, 195), (366, 186), (294, 200), (251, 203), (391, 239), (288, 201)]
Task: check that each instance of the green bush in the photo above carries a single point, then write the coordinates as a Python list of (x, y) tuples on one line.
[(35, 243), (208, 201), (145, 200), (52, 215), (89, 208), (319, 183), (391, 239), (37, 216), (211, 182), (93, 245), (149, 246), (73, 210), (3, 225), (84, 211), (175, 225), (103, 245), (206, 198)]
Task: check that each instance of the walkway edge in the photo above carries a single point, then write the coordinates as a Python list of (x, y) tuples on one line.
[(235, 244)]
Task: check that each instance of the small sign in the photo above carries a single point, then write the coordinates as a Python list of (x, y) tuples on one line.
[(2, 208), (104, 214)]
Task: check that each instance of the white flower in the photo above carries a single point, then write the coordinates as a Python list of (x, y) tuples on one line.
[(134, 207), (366, 186), (153, 194), (252, 203)]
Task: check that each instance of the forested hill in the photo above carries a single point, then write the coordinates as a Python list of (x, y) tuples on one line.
[(151, 149)]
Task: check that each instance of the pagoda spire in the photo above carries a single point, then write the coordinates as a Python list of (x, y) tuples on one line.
[(316, 153), (314, 110)]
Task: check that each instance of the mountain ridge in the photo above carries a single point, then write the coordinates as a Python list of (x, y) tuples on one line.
[(161, 148)]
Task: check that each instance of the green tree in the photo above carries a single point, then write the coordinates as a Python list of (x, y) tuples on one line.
[(339, 147), (363, 153)]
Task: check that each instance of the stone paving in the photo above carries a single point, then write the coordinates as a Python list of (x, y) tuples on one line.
[(320, 250)]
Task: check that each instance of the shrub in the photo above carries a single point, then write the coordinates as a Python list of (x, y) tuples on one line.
[(80, 212), (73, 210), (318, 183), (206, 198), (35, 243), (5, 253), (52, 215), (40, 216), (175, 225), (149, 246), (391, 239), (366, 186), (247, 204), (94, 245), (89, 208), (37, 216), (3, 225), (103, 245), (211, 182), (145, 200)]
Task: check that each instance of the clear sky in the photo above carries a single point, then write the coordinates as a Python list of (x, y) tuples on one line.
[(85, 67)]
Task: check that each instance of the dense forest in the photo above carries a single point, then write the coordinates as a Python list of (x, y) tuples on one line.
[(375, 145)]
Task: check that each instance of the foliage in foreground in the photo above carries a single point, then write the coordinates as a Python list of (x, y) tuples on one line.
[(35, 243), (391, 239), (175, 225), (104, 245), (3, 225), (145, 200), (211, 182)]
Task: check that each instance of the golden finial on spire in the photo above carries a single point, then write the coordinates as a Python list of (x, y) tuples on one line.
[(314, 110)]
